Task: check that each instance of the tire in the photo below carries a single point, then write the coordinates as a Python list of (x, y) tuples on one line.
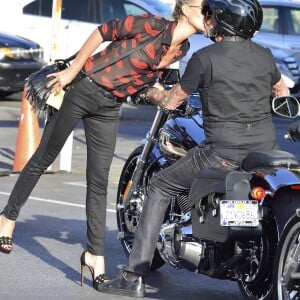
[(127, 217), (287, 261), (258, 283)]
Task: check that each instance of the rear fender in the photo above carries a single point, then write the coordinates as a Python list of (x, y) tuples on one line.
[(281, 178), (284, 200), (285, 203)]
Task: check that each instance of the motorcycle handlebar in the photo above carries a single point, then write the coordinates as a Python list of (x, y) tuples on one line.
[(166, 111)]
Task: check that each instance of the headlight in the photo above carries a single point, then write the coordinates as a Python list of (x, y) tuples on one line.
[(21, 54)]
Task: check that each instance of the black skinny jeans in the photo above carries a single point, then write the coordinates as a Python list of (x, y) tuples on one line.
[(166, 183), (84, 101)]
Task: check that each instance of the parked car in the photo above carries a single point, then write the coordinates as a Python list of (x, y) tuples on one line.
[(19, 57), (33, 19), (281, 24), (288, 62)]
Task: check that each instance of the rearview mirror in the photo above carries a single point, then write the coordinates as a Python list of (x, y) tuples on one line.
[(287, 106)]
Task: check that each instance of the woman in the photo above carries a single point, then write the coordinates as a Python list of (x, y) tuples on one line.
[(96, 100)]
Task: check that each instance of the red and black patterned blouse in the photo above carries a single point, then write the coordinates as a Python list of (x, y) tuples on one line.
[(139, 70)]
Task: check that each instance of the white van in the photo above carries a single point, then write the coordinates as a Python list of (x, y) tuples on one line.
[(33, 19)]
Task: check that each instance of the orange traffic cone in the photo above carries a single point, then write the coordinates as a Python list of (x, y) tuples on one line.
[(29, 135)]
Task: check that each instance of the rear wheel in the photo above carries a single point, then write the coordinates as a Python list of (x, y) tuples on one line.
[(256, 275), (287, 262), (129, 212)]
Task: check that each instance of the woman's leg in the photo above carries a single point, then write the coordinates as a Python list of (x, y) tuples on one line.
[(11, 211), (17, 199), (57, 130), (101, 132)]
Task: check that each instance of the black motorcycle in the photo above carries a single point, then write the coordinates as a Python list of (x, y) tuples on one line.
[(232, 225)]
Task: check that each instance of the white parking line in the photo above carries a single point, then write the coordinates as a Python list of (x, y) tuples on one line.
[(76, 183), (9, 107), (56, 202)]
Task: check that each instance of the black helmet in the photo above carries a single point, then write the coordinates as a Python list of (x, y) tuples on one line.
[(236, 17)]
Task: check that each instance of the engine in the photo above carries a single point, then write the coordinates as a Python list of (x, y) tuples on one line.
[(178, 247)]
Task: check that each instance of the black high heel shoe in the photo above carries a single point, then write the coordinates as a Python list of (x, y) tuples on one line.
[(5, 243), (96, 281)]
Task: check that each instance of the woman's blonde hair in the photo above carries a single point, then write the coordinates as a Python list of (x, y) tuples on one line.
[(177, 12)]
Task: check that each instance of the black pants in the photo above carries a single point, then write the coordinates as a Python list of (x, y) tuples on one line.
[(100, 115), (168, 182)]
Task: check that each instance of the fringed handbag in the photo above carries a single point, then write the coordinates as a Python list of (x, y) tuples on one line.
[(36, 90)]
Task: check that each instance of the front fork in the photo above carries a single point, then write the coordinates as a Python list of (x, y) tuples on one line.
[(151, 140)]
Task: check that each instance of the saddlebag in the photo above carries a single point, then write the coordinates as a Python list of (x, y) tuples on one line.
[(208, 189)]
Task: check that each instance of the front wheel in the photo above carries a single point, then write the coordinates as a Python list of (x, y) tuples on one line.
[(287, 262), (129, 212)]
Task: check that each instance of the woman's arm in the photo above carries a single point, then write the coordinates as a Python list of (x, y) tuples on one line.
[(65, 77)]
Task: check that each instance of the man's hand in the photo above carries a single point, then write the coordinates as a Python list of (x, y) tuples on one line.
[(294, 131), (280, 89), (168, 99)]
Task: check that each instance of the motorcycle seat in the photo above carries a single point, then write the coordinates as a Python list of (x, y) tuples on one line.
[(275, 158)]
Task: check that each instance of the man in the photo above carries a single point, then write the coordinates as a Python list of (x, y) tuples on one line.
[(235, 78)]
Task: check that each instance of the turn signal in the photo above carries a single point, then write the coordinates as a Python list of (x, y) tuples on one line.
[(258, 193)]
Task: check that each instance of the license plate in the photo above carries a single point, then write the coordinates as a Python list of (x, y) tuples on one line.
[(239, 213)]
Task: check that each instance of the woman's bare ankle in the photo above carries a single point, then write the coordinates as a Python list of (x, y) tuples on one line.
[(96, 262), (7, 226)]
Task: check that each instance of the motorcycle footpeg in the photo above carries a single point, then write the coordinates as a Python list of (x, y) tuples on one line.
[(295, 275), (121, 235), (125, 236)]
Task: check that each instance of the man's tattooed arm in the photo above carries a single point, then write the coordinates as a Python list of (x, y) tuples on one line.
[(169, 99)]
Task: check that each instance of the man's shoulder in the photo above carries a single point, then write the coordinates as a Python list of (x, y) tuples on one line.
[(207, 49)]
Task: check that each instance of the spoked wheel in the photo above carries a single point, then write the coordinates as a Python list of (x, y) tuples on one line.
[(256, 275), (129, 212), (287, 262)]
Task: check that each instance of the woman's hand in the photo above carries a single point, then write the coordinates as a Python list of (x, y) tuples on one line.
[(58, 81)]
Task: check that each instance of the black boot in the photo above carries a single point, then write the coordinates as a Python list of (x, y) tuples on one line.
[(123, 286)]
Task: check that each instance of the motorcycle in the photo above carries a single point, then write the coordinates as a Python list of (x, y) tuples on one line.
[(232, 225)]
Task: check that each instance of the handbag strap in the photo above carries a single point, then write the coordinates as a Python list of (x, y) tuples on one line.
[(111, 62)]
